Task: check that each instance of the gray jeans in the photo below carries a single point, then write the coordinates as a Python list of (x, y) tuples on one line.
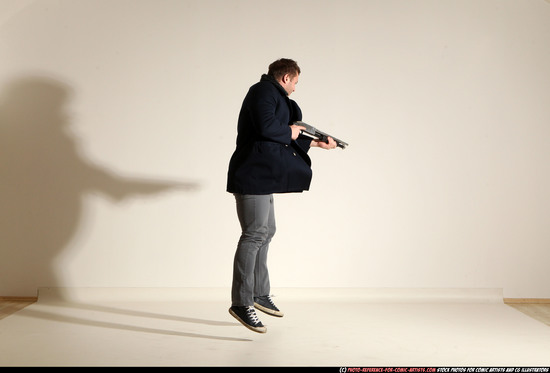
[(250, 275)]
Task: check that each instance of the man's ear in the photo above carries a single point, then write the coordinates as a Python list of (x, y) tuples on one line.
[(285, 78)]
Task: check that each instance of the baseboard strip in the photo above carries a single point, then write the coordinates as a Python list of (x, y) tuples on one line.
[(526, 300)]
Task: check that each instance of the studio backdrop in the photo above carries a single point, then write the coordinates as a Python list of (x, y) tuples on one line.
[(118, 119)]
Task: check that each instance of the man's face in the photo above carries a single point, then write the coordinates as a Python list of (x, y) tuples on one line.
[(289, 83)]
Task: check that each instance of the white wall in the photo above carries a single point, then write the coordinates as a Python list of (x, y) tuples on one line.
[(112, 110)]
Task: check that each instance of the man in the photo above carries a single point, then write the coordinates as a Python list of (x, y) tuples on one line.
[(270, 157)]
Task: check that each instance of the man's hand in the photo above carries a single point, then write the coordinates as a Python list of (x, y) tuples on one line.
[(296, 130), (321, 144)]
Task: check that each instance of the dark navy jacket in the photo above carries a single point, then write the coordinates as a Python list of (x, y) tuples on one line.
[(266, 159)]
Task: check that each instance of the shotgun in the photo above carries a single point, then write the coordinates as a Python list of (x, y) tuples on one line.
[(314, 133)]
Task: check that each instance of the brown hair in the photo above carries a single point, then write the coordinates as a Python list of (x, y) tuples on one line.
[(282, 67)]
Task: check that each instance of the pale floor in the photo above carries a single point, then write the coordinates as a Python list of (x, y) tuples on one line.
[(331, 331)]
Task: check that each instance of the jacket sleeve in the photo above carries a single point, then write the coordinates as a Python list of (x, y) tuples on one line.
[(268, 121)]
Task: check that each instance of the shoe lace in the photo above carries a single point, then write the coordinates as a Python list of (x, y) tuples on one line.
[(268, 297), (252, 314)]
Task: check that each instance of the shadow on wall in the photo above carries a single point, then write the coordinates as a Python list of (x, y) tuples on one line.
[(42, 181)]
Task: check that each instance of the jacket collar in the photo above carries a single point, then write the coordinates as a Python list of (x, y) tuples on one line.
[(269, 78)]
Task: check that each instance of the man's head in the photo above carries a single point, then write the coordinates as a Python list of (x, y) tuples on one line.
[(285, 72)]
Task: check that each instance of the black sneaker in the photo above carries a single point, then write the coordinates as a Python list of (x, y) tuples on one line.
[(247, 316), (265, 304)]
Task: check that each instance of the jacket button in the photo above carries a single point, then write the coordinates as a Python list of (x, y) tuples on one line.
[(294, 154)]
